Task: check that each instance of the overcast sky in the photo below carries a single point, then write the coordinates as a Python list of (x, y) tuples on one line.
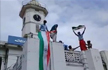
[(66, 13)]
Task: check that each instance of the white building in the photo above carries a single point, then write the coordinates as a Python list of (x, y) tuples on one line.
[(69, 60), (33, 15)]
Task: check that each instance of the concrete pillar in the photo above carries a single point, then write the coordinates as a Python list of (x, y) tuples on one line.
[(94, 59), (58, 61), (30, 59), (84, 59)]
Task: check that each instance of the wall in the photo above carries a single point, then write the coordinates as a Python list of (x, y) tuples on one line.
[(30, 58), (58, 58), (94, 59)]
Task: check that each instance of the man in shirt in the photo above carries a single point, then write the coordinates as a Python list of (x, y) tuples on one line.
[(43, 27), (81, 40)]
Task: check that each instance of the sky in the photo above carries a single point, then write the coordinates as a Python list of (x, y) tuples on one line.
[(66, 13)]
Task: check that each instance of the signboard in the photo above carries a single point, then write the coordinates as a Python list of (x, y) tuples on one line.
[(16, 40)]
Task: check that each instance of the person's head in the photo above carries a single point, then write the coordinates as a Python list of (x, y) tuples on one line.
[(70, 47), (60, 41), (44, 22), (88, 41), (56, 25), (79, 33)]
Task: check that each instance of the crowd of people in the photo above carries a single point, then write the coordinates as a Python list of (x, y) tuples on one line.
[(53, 35), (70, 48)]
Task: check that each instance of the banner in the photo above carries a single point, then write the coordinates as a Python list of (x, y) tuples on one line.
[(78, 27)]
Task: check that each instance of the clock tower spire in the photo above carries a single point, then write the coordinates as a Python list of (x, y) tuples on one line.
[(33, 14)]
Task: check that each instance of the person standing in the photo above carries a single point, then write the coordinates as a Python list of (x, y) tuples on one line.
[(43, 27), (53, 32), (81, 40), (89, 44)]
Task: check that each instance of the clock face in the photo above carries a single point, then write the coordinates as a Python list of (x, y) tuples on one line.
[(37, 17)]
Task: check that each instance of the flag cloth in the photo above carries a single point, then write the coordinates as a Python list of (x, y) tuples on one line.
[(44, 50), (82, 45), (78, 27)]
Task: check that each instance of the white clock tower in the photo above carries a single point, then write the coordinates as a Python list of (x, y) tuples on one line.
[(33, 15)]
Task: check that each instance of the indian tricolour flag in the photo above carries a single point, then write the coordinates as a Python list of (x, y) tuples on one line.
[(44, 50)]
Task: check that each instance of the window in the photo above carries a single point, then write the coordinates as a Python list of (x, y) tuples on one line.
[(37, 28), (24, 21)]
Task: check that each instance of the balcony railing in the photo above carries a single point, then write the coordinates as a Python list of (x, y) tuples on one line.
[(73, 58), (18, 64)]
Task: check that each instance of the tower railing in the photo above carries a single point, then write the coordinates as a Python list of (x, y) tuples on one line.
[(73, 58)]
